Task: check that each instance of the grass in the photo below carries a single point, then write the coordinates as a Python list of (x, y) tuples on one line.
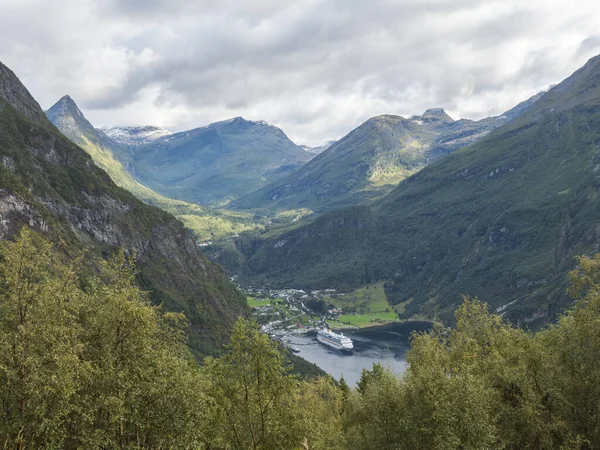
[(400, 308), (254, 302), (367, 320), (370, 303), (206, 227)]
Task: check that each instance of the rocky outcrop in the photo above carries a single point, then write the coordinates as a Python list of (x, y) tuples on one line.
[(13, 91)]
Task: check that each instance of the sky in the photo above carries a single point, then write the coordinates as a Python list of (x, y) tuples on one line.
[(315, 68)]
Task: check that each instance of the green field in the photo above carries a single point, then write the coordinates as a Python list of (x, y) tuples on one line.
[(369, 304), (254, 302)]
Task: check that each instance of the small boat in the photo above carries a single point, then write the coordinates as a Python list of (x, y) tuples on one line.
[(294, 348), (335, 340)]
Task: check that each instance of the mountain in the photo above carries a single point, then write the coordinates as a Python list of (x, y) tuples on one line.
[(116, 159), (371, 160), (13, 92), (68, 118), (132, 136), (219, 162), (52, 185), (318, 149), (501, 219)]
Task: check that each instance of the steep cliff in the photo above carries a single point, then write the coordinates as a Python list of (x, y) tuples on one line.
[(52, 185)]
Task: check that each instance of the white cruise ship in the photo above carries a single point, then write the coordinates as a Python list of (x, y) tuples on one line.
[(337, 341)]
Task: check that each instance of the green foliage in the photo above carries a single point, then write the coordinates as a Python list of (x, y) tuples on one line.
[(344, 388), (251, 389), (575, 358), (373, 417), (486, 384), (39, 338), (258, 404), (89, 363), (369, 376)]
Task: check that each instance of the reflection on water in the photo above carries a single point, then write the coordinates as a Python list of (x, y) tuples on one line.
[(386, 345)]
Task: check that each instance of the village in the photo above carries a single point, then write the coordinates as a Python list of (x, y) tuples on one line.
[(285, 312), (292, 311)]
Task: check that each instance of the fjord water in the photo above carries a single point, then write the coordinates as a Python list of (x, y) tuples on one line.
[(386, 345)]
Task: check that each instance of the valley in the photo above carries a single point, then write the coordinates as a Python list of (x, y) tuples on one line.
[(501, 219), (354, 215), (299, 225), (114, 155)]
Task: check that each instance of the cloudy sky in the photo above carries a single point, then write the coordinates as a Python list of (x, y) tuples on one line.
[(316, 68)]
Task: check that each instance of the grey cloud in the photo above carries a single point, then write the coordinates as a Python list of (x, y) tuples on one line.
[(315, 67), (590, 44)]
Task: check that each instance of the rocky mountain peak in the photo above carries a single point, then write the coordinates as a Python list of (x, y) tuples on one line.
[(239, 120), (17, 95), (66, 106), (68, 118), (436, 115)]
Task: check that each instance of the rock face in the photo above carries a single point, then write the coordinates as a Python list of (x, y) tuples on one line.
[(434, 115), (68, 118), (371, 160), (52, 185), (501, 220), (66, 115), (13, 91)]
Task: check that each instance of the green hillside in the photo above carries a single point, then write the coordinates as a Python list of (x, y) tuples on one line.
[(214, 164), (371, 160), (501, 219), (205, 223)]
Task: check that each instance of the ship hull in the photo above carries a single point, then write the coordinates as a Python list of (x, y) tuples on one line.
[(333, 344)]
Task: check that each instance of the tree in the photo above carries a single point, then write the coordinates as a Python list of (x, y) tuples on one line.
[(319, 405), (142, 386), (373, 415), (253, 392), (258, 404), (40, 361), (574, 358), (344, 388), (90, 364), (367, 376)]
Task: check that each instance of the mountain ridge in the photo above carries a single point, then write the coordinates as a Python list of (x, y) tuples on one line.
[(116, 159), (501, 219), (52, 185), (215, 163), (372, 159), (135, 135)]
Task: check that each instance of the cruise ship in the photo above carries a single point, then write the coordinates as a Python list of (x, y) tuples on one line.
[(337, 341)]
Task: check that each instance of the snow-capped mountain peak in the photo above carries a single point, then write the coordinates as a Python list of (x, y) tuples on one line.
[(136, 135)]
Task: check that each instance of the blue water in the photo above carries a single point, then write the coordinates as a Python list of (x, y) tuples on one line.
[(385, 345)]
